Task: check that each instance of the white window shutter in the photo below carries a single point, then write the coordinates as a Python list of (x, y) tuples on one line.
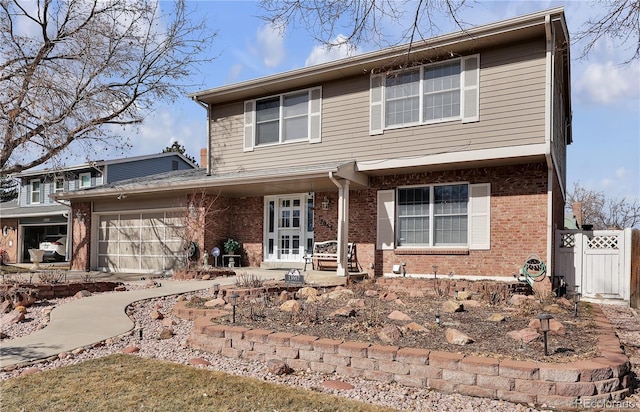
[(248, 125), (385, 235), (480, 216), (376, 112), (315, 118), (471, 89)]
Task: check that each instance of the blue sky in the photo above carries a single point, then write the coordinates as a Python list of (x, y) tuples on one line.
[(605, 155)]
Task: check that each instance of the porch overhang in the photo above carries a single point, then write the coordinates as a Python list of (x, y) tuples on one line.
[(308, 178)]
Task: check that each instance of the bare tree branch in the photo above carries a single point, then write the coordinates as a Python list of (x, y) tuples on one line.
[(69, 69), (604, 213)]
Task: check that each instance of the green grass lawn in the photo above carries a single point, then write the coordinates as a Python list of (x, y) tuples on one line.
[(129, 383)]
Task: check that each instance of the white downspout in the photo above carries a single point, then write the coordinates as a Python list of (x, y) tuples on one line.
[(548, 111), (343, 223)]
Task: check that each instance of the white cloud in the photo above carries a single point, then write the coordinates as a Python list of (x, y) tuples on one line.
[(323, 53), (621, 172), (609, 83), (270, 45), (234, 73)]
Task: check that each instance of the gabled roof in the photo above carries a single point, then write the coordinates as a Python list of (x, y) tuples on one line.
[(101, 163), (490, 34)]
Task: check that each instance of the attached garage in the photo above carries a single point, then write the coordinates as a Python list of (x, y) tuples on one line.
[(140, 242)]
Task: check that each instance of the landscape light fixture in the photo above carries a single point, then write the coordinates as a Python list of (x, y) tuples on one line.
[(544, 326), (455, 295), (435, 271), (216, 290), (576, 300), (438, 320), (233, 299)]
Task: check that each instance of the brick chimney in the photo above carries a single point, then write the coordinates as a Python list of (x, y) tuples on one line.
[(577, 213), (203, 158)]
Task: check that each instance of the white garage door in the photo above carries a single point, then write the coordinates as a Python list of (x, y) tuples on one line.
[(146, 242)]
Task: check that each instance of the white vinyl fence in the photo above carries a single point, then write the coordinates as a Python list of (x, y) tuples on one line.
[(598, 261)]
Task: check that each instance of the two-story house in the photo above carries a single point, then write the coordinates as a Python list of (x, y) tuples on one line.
[(445, 155), (35, 216)]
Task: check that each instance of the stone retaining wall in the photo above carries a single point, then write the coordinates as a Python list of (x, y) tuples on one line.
[(600, 379)]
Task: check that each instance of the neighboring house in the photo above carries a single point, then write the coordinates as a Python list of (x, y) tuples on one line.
[(35, 216), (447, 156)]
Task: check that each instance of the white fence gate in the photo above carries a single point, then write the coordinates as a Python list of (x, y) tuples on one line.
[(598, 261)]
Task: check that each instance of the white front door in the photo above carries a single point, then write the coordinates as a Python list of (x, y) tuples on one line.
[(288, 227)]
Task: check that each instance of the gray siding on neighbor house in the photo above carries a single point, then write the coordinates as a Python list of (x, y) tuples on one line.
[(512, 113), (146, 167)]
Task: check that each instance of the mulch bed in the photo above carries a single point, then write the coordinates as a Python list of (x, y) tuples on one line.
[(369, 315)]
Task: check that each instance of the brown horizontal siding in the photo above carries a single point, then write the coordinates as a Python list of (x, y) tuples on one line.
[(511, 113)]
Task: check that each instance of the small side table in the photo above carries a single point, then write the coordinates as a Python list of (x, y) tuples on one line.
[(231, 260)]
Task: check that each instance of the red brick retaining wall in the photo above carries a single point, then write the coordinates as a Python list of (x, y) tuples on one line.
[(604, 378), (63, 290)]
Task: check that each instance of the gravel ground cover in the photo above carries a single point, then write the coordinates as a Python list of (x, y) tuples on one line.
[(175, 349)]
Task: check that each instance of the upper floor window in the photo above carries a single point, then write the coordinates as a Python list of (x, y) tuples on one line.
[(85, 179), (290, 117), (431, 93), (59, 185), (35, 191)]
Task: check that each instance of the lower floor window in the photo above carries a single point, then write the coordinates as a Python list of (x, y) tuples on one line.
[(433, 215)]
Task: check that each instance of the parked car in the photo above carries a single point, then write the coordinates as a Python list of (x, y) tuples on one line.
[(55, 247)]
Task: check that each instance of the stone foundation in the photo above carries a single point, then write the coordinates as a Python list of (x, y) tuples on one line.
[(62, 290)]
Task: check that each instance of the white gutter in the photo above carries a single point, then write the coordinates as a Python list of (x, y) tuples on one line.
[(207, 107), (343, 223)]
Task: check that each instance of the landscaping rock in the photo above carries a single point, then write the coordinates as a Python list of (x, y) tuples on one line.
[(166, 333), (339, 385), (416, 294), (5, 306), (525, 335), (344, 312), (156, 315), (199, 361), (457, 337), (388, 296), (416, 327), (82, 294), (390, 333), (166, 322), (370, 293), (206, 277), (464, 295), (278, 367), (290, 306), (131, 349), (471, 303), (356, 303), (339, 294), (564, 302), (284, 296), (121, 288), (307, 292), (517, 300), (15, 316), (452, 306), (496, 317), (215, 302), (397, 315), (30, 371), (555, 327), (399, 302)]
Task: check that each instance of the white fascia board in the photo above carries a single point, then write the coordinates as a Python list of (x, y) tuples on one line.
[(458, 157)]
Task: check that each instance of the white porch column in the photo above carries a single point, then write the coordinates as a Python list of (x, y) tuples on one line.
[(343, 223)]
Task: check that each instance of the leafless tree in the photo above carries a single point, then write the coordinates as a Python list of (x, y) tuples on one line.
[(620, 21), (353, 22), (70, 69), (604, 213)]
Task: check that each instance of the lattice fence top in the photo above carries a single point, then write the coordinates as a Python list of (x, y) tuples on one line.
[(568, 240), (603, 242)]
